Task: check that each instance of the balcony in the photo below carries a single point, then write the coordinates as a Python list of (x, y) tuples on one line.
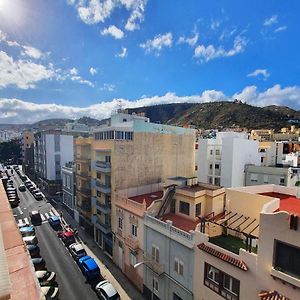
[(83, 174), (104, 207), (103, 188), (155, 266), (132, 242), (85, 206), (84, 192), (283, 276), (103, 166), (104, 227)]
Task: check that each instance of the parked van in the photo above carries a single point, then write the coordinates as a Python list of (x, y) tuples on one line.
[(30, 240)]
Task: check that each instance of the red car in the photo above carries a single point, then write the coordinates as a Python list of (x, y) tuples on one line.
[(67, 237)]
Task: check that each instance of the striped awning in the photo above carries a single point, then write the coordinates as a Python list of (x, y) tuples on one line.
[(273, 295)]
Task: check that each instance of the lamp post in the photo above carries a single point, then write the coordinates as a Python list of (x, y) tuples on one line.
[(144, 262)]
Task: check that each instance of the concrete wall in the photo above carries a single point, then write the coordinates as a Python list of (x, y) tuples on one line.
[(50, 158)]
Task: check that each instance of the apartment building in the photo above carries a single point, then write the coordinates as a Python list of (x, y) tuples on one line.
[(286, 176), (83, 209), (251, 250), (169, 238), (128, 152), (131, 205), (28, 152), (68, 187), (52, 150), (221, 161)]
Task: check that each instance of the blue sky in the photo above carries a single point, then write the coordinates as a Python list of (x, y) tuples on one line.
[(68, 58)]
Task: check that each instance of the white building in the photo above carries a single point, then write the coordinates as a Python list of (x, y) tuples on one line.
[(221, 161)]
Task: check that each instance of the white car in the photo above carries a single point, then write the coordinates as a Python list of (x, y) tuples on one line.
[(45, 276), (50, 292), (77, 251), (107, 291)]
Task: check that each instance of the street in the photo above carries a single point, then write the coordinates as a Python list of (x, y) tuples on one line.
[(71, 282)]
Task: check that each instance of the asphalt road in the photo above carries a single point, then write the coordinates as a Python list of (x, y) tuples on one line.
[(71, 282)]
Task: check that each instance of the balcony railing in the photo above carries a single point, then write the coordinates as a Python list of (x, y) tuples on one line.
[(84, 191), (104, 207), (103, 188), (104, 227), (84, 174), (103, 166), (157, 267), (85, 206), (132, 242)]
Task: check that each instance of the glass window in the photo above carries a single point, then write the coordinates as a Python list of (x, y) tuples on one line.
[(282, 180), (198, 210), (217, 166), (213, 274), (120, 223), (184, 207), (155, 284), (178, 266), (132, 258), (133, 230), (155, 253), (231, 284)]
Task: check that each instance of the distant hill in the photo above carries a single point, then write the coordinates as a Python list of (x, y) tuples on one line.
[(221, 115)]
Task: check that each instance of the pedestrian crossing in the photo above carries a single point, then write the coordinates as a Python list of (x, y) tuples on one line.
[(44, 217)]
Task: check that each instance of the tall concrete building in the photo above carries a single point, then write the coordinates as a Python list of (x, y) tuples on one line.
[(128, 152), (221, 161), (28, 152), (68, 186)]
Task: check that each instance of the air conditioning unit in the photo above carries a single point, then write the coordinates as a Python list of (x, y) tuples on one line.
[(189, 182), (195, 181)]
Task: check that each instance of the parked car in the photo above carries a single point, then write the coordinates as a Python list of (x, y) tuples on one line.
[(77, 251), (27, 231), (38, 263), (106, 291), (31, 188), (28, 183), (35, 217), (38, 196), (68, 238), (33, 250), (50, 292), (23, 177), (54, 222), (22, 188), (14, 202), (89, 267), (21, 225), (30, 240), (45, 276)]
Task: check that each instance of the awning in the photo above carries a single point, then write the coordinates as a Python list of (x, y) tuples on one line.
[(273, 295)]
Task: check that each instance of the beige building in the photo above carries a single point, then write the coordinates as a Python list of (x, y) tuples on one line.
[(252, 249), (28, 152), (131, 152), (82, 162)]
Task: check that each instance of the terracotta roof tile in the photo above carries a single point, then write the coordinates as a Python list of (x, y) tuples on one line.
[(273, 295), (180, 222), (227, 258), (148, 198)]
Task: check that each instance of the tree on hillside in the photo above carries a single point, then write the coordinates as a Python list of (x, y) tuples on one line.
[(10, 152)]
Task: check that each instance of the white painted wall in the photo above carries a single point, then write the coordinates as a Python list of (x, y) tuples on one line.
[(50, 160), (66, 149)]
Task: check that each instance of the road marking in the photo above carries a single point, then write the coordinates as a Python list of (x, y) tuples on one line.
[(26, 221), (20, 221), (47, 216), (20, 210), (43, 217), (51, 213)]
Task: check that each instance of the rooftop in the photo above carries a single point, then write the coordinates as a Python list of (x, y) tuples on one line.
[(180, 222), (288, 203), (201, 187), (148, 198)]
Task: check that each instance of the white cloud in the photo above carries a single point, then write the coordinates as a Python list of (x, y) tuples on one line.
[(22, 73), (98, 11), (281, 28), (93, 71), (113, 31), (215, 24), (270, 21), (73, 71), (123, 53), (32, 52), (260, 72), (192, 41), (18, 111), (2, 36), (210, 52), (81, 80), (159, 42), (227, 34), (108, 87)]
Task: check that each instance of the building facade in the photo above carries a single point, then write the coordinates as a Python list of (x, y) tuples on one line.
[(131, 152), (221, 161), (28, 152), (68, 187)]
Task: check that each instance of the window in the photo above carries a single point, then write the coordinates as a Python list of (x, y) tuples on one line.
[(261, 159), (178, 266), (133, 230), (98, 175), (98, 194), (217, 166), (217, 181), (287, 259), (132, 258), (78, 167), (184, 207), (176, 297), (253, 177), (210, 180), (218, 152), (107, 158), (198, 210), (222, 283), (211, 152), (266, 179), (282, 180), (155, 253), (120, 224), (210, 166), (196, 168), (196, 146), (155, 284)]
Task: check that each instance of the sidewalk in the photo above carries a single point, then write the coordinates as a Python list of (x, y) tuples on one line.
[(108, 269)]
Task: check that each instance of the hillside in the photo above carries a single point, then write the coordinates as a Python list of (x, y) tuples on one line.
[(221, 114)]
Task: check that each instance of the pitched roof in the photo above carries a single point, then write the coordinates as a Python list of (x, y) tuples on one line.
[(273, 295), (225, 257)]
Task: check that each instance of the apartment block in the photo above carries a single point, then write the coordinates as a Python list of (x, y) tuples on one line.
[(131, 205), (68, 187), (251, 250), (221, 161), (83, 209), (28, 152), (169, 238), (128, 152)]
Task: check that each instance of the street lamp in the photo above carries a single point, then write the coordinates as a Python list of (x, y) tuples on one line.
[(145, 262)]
